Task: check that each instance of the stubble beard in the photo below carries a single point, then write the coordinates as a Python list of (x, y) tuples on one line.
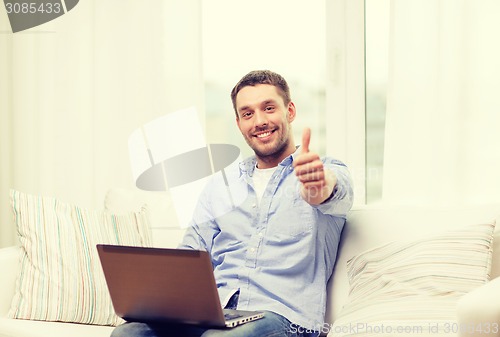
[(269, 153)]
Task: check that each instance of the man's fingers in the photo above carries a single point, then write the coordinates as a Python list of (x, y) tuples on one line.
[(306, 138), (312, 177), (311, 165)]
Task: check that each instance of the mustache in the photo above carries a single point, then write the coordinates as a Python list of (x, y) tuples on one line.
[(264, 128)]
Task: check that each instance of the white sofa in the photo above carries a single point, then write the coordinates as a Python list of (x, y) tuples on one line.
[(366, 228)]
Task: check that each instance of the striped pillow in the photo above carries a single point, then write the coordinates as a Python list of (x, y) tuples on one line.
[(60, 276), (413, 286)]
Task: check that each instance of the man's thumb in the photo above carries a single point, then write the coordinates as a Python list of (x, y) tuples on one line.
[(306, 138)]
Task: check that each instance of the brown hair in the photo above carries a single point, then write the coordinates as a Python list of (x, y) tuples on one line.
[(262, 77)]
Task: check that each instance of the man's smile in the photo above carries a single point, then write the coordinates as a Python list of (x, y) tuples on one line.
[(263, 135)]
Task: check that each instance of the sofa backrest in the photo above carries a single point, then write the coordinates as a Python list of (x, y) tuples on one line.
[(165, 229), (371, 226)]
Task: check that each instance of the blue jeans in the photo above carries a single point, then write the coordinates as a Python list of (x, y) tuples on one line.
[(272, 325)]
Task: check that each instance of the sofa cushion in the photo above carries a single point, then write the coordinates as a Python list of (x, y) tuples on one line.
[(374, 225), (60, 275), (165, 228), (408, 284)]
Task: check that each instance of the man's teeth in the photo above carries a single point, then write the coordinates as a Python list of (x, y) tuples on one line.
[(265, 134)]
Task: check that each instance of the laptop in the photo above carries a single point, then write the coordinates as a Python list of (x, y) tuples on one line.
[(166, 285)]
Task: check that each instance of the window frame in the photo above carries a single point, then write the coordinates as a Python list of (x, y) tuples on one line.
[(346, 89)]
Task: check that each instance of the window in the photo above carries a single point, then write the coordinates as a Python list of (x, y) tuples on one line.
[(284, 36), (319, 47)]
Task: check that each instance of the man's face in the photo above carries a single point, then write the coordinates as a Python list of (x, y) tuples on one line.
[(264, 120)]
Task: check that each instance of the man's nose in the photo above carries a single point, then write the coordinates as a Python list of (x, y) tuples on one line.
[(260, 118)]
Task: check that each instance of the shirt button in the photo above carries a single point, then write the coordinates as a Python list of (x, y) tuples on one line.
[(252, 250), (254, 205), (261, 234)]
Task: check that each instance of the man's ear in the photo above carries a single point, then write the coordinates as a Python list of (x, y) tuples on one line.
[(291, 112), (238, 123)]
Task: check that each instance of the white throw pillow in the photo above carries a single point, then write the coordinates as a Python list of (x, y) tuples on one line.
[(61, 278), (412, 287)]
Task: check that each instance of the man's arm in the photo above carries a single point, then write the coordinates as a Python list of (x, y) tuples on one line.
[(202, 228)]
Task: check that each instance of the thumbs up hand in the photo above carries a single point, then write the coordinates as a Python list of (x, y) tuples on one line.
[(317, 182)]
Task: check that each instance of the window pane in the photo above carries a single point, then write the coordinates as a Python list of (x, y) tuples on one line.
[(377, 48)]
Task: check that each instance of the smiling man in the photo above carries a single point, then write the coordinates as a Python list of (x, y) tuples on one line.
[(276, 250)]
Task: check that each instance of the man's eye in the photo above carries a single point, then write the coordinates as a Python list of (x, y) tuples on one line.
[(246, 114), (270, 108)]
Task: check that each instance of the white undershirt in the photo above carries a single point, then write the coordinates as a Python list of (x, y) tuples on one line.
[(261, 178)]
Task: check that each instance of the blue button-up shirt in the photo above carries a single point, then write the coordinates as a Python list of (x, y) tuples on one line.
[(279, 253)]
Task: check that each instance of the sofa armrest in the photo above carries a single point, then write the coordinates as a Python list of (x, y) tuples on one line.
[(478, 311), (9, 262)]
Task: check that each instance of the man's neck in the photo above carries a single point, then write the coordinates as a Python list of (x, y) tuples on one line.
[(274, 160)]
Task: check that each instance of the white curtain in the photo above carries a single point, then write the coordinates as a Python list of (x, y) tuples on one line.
[(74, 89), (443, 109)]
